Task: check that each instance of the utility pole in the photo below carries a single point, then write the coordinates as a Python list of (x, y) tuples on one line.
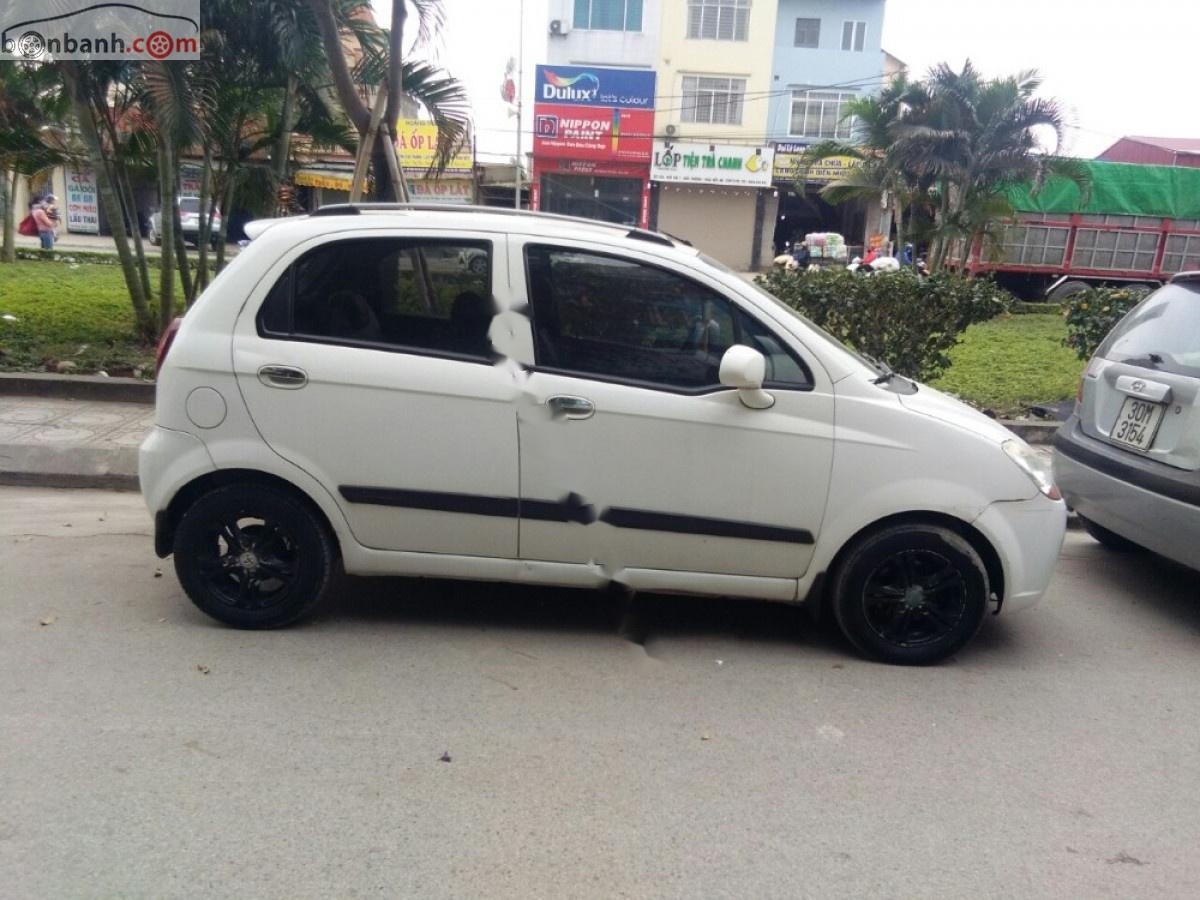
[(520, 98)]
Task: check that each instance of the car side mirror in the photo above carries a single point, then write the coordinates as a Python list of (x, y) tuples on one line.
[(745, 368)]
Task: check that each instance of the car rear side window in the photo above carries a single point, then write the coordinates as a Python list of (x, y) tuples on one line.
[(417, 295), (620, 319), (1163, 332)]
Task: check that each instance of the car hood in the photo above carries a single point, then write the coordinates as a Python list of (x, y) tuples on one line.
[(933, 403)]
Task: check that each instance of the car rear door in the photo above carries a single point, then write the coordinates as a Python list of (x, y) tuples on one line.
[(1142, 389), (369, 366)]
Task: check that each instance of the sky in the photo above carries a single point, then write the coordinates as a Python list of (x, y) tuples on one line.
[(1117, 68)]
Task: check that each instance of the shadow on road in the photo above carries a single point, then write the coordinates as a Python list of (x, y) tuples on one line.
[(641, 619)]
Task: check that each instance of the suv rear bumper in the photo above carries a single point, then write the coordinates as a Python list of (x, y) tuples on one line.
[(1149, 503)]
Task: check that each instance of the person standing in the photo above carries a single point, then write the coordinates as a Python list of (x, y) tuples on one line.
[(47, 227)]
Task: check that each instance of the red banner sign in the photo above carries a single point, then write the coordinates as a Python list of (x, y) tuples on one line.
[(590, 132)]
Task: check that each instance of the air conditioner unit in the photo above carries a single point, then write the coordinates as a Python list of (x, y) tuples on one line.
[(559, 27), (670, 130)]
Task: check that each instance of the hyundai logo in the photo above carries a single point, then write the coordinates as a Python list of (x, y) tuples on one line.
[(1138, 386)]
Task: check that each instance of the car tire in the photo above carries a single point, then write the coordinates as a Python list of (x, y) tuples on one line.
[(478, 265), (1110, 539), (1068, 289), (254, 556), (910, 594)]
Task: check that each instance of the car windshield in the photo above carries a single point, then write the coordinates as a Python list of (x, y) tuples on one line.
[(849, 351), (1162, 332)]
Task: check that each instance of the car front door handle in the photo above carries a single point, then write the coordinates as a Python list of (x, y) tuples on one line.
[(567, 407), (286, 377)]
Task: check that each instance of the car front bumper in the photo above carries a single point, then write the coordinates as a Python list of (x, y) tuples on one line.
[(1153, 505), (1027, 535)]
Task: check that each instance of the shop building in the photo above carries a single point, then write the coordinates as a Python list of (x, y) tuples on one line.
[(714, 74), (826, 54), (592, 140)]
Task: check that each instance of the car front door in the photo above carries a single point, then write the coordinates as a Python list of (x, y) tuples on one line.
[(633, 456), (369, 366)]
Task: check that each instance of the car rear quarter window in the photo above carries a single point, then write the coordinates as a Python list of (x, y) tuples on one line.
[(1162, 332), (425, 296), (616, 318)]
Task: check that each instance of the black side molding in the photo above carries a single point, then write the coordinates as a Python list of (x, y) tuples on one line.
[(573, 508), (679, 524)]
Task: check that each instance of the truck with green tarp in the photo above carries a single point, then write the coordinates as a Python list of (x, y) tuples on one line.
[(1137, 225)]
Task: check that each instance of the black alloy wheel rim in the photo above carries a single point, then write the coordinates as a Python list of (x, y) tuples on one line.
[(248, 562), (915, 597)]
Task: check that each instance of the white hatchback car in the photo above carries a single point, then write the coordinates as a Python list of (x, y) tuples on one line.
[(596, 405)]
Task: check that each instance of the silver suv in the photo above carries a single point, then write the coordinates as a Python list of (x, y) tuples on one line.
[(1128, 459)]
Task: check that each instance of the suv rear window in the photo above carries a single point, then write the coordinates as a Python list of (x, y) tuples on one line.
[(417, 295), (1163, 332)]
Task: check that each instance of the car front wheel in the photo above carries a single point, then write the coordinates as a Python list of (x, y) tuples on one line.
[(253, 556), (911, 594)]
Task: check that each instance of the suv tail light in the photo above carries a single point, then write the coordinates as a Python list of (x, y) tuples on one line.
[(164, 344)]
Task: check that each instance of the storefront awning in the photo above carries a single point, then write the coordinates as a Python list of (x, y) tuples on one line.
[(324, 178)]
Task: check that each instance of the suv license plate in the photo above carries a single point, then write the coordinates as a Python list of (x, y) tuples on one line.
[(1137, 423)]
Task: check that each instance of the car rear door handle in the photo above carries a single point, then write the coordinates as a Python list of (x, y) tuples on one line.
[(568, 407), (286, 377)]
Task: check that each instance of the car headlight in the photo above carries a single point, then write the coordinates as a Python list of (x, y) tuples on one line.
[(1034, 465)]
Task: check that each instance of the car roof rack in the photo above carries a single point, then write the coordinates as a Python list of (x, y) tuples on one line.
[(1186, 276), (354, 209)]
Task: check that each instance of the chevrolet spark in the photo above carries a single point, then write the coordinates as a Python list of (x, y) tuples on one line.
[(578, 404)]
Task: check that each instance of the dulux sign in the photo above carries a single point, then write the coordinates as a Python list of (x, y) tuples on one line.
[(594, 86)]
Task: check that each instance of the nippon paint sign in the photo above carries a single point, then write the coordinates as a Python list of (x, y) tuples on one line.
[(686, 162)]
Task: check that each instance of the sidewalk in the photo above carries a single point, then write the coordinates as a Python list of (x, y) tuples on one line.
[(71, 443)]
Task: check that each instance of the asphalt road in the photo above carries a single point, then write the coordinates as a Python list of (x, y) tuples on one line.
[(683, 748)]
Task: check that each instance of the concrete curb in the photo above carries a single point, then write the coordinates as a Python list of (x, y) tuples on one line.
[(77, 387), (75, 480), (1033, 432)]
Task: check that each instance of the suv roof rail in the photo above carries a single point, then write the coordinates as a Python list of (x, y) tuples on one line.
[(1186, 276), (354, 209)]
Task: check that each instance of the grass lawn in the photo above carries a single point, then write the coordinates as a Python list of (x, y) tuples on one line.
[(1011, 362), (77, 312)]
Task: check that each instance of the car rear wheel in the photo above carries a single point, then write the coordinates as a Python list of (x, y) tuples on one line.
[(1109, 539), (478, 265), (911, 594), (253, 556)]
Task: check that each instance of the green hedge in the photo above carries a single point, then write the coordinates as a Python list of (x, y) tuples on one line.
[(907, 321), (1093, 313)]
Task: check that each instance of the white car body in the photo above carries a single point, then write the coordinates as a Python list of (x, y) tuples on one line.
[(817, 468)]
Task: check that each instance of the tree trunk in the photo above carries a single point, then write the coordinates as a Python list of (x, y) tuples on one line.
[(223, 231), (109, 201), (181, 258), (139, 247), (899, 228), (8, 195), (205, 235), (166, 189), (279, 156), (335, 53)]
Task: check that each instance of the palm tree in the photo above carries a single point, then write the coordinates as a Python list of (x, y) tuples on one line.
[(382, 63), (974, 139), (880, 177)]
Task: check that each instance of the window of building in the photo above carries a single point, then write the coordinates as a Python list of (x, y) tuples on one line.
[(808, 33), (713, 100), (614, 318), (821, 114), (718, 20), (609, 15), (854, 36), (421, 296)]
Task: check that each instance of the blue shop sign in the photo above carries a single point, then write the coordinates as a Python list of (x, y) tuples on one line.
[(595, 86)]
